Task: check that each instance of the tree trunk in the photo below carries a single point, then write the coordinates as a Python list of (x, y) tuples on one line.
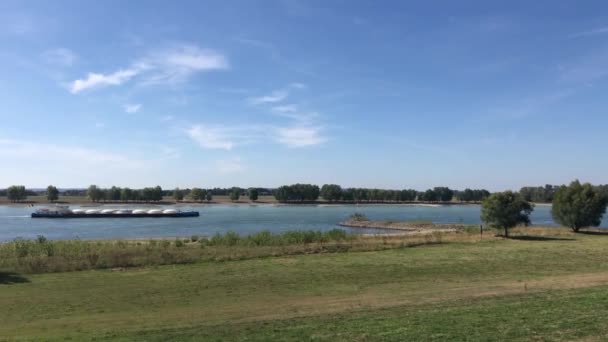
[(506, 232), (575, 229)]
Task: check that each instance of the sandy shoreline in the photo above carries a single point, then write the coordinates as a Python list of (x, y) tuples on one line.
[(405, 227)]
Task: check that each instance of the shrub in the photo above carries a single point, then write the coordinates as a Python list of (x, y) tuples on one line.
[(336, 235), (263, 238), (358, 217)]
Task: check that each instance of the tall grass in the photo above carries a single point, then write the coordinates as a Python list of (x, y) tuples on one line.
[(42, 255)]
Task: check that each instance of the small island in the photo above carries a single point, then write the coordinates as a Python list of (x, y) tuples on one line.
[(358, 220)]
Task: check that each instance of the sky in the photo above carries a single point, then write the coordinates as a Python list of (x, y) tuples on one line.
[(387, 94)]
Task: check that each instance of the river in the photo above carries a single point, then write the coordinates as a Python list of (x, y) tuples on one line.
[(15, 221)]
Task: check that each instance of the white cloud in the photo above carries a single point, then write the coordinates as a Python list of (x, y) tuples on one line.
[(60, 56), (290, 108), (210, 137), (167, 118), (62, 154), (171, 65), (177, 63), (596, 31), (275, 96), (299, 136), (132, 108), (291, 112), (95, 80), (297, 85), (230, 165)]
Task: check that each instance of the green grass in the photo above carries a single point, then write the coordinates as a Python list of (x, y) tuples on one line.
[(559, 315), (550, 287), (42, 255)]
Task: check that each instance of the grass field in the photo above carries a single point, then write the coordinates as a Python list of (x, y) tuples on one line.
[(547, 285)]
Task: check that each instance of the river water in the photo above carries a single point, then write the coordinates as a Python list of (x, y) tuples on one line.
[(15, 221)]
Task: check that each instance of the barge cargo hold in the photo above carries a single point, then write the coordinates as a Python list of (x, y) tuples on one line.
[(65, 212)]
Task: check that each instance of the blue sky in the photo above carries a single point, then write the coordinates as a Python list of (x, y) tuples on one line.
[(391, 94)]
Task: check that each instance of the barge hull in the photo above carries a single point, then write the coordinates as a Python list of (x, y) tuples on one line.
[(112, 215)]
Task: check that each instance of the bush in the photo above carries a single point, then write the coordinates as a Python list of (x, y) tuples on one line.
[(336, 235), (358, 217), (42, 255)]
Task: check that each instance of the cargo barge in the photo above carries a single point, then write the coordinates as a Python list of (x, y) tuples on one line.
[(66, 212)]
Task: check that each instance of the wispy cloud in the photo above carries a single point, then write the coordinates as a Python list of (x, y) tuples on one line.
[(60, 56), (291, 111), (177, 63), (299, 136), (171, 65), (593, 32), (167, 152), (533, 105), (589, 68), (132, 108), (277, 95), (167, 118), (17, 23), (95, 80), (230, 165), (211, 137), (290, 108), (62, 153), (297, 85)]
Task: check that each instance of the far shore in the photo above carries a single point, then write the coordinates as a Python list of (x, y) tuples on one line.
[(218, 200)]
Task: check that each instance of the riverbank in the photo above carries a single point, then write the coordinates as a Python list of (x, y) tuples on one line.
[(223, 200), (412, 227), (536, 282)]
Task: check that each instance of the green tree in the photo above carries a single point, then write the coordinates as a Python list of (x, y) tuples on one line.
[(253, 194), (209, 196), (331, 192), (126, 194), (428, 196), (94, 193), (578, 206), (113, 194), (52, 194), (443, 193), (16, 193), (505, 210), (178, 195), (235, 194), (197, 194), (157, 193)]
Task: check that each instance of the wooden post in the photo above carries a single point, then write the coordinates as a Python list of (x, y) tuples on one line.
[(481, 231)]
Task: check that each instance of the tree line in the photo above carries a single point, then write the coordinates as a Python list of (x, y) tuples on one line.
[(335, 193), (545, 194), (287, 193), (96, 194)]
